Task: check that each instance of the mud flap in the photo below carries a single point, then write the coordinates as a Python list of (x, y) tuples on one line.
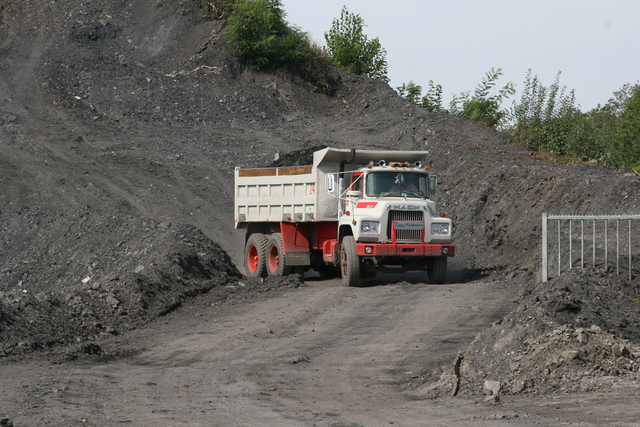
[(298, 258)]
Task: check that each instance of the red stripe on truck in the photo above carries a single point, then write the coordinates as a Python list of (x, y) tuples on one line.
[(366, 205)]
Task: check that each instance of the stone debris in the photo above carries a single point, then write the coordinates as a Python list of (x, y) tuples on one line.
[(299, 359), (492, 387), (538, 348)]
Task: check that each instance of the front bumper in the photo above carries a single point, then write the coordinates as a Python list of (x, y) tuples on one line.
[(405, 249)]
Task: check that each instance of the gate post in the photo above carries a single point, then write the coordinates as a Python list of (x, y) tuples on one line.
[(544, 247)]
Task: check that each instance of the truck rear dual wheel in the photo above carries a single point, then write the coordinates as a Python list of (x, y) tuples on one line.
[(349, 262), (276, 261), (437, 270), (256, 255)]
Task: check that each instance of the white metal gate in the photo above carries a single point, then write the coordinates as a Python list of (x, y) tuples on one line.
[(592, 235)]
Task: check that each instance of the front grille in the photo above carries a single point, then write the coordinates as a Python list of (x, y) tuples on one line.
[(405, 236)]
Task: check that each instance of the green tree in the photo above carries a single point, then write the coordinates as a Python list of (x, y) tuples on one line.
[(629, 131), (352, 50)]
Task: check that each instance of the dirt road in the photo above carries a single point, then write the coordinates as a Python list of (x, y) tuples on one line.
[(321, 355)]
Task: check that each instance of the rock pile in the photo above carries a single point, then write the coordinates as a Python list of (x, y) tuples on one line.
[(574, 333)]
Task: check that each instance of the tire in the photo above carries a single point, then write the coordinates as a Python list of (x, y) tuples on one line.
[(276, 262), (349, 262), (255, 255), (437, 270)]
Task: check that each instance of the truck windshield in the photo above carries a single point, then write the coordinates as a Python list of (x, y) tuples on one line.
[(397, 184)]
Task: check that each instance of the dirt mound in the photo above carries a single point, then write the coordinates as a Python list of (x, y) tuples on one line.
[(99, 284), (303, 156), (574, 333)]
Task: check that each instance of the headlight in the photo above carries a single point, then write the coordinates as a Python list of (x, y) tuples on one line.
[(439, 229), (370, 227)]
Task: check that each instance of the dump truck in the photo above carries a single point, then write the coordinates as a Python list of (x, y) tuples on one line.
[(356, 212)]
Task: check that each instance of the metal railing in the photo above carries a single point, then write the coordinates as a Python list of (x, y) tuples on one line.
[(596, 240)]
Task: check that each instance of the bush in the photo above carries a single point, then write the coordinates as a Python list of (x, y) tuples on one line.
[(484, 107), (628, 135), (431, 101), (546, 119), (260, 36)]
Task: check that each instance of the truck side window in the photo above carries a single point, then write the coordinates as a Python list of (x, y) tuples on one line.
[(356, 182)]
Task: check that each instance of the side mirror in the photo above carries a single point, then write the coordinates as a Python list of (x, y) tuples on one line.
[(433, 180), (331, 183)]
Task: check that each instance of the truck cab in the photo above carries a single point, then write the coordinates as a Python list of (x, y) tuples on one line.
[(389, 214)]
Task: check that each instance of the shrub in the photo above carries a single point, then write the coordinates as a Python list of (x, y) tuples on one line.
[(485, 104), (260, 36), (628, 137), (546, 119), (431, 101)]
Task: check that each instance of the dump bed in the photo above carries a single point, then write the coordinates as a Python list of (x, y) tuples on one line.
[(298, 193), (287, 194)]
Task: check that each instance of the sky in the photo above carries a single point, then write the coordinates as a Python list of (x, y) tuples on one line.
[(595, 44)]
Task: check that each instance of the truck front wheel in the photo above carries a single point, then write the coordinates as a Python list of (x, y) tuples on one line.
[(349, 262), (276, 262), (255, 255), (437, 270)]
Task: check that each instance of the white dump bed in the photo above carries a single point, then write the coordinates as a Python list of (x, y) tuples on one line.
[(276, 194), (298, 193)]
